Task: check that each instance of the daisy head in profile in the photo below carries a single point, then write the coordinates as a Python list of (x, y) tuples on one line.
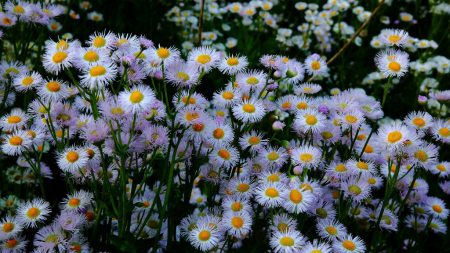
[(392, 63), (394, 37)]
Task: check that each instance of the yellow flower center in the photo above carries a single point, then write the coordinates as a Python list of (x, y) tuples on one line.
[(252, 80), (310, 119), (272, 156), (351, 119), (237, 222), (326, 135), (97, 71), (295, 196), (273, 178), (72, 156), (204, 235), (19, 9), (15, 140), (394, 38), (228, 95), (243, 187), (236, 206), (163, 52), (368, 149), (287, 241), (136, 97), (394, 66), (254, 140), (218, 133), (444, 132), (305, 157), (198, 127), (26, 81), (437, 208), (349, 245), (302, 105), (361, 137), (355, 189), (441, 167), (421, 155), (191, 100), (362, 165), (117, 111), (331, 230), (14, 119), (183, 76), (418, 122), (225, 154), (7, 227), (11, 243), (372, 180), (59, 57), (53, 86), (91, 56), (394, 136), (190, 116), (203, 58), (74, 202), (248, 108), (341, 168), (233, 61), (282, 227), (33, 212), (315, 65), (271, 192)]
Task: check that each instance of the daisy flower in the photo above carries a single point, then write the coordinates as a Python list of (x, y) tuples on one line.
[(361, 167), (16, 119), (309, 120), (253, 140), (224, 155), (419, 120), (205, 58), (273, 157), (349, 244), (436, 207), (55, 60), (306, 156), (14, 244), (182, 74), (307, 89), (9, 227), (269, 194), (394, 37), (16, 143), (86, 57), (282, 223), (77, 201), (104, 40), (355, 188), (237, 224), (351, 119), (249, 111), (331, 229), (72, 159), (315, 65), (97, 76), (50, 239), (218, 133), (251, 81), (392, 62), (426, 155), (289, 241), (232, 65), (204, 237), (163, 55), (441, 168), (297, 200), (394, 135), (27, 81), (236, 204), (32, 212), (137, 98), (7, 20), (226, 97), (441, 131), (54, 90), (242, 187), (294, 72)]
